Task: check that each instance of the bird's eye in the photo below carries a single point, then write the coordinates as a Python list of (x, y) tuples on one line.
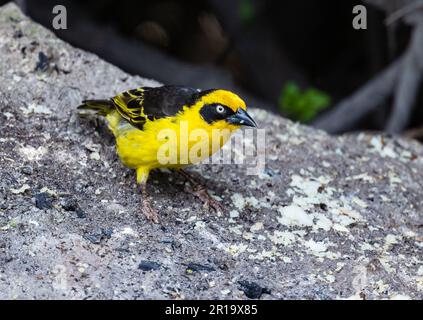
[(220, 108)]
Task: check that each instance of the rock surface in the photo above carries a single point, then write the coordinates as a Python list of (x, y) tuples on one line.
[(329, 217)]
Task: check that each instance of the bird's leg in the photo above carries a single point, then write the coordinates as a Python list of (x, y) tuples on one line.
[(150, 213), (200, 191)]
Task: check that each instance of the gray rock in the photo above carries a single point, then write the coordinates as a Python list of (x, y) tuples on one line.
[(69, 204), (27, 170), (146, 265), (42, 200), (330, 217), (252, 290), (197, 267)]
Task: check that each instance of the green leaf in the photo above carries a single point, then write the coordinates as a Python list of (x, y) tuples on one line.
[(304, 105), (247, 11)]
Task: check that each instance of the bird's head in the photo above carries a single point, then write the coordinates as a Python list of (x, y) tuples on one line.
[(223, 108)]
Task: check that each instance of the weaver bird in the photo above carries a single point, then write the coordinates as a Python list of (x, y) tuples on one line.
[(146, 120)]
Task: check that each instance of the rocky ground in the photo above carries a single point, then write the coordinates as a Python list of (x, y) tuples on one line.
[(328, 218)]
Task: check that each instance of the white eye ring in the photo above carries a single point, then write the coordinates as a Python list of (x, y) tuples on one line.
[(220, 109)]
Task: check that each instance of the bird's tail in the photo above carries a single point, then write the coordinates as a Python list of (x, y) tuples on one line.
[(103, 107)]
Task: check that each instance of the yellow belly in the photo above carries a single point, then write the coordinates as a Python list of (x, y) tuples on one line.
[(166, 142)]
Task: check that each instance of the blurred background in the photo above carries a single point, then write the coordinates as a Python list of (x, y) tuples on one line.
[(302, 59)]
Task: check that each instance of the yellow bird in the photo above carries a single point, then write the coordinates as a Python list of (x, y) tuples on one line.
[(170, 127)]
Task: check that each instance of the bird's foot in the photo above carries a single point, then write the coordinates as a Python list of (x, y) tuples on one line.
[(209, 202), (200, 192), (150, 213)]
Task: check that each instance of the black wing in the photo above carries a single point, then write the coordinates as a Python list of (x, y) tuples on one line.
[(138, 105)]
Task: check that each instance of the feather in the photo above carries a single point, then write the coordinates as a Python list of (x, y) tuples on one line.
[(103, 107)]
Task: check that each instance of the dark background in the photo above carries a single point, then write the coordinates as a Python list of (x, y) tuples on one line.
[(256, 48)]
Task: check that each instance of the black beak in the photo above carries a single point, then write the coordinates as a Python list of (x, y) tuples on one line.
[(241, 117)]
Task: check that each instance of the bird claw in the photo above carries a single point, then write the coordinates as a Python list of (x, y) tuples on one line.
[(200, 192), (209, 201), (150, 213)]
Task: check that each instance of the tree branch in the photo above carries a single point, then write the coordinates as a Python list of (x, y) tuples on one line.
[(402, 79), (139, 58), (408, 84), (349, 111), (402, 12)]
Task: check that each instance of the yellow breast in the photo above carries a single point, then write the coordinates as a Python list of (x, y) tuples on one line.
[(169, 142)]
